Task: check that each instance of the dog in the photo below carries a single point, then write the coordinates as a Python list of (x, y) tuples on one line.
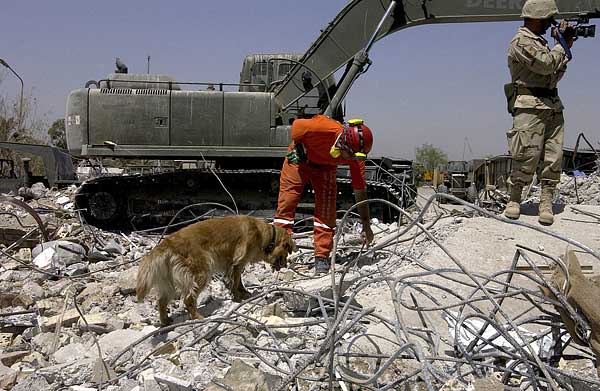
[(184, 262)]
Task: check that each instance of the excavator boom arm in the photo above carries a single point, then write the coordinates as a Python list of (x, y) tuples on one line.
[(351, 31)]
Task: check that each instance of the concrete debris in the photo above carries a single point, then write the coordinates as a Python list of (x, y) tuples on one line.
[(452, 304), (36, 191), (583, 189), (244, 377), (70, 352), (55, 256)]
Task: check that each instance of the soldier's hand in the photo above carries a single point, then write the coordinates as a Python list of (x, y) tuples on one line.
[(367, 234), (568, 34)]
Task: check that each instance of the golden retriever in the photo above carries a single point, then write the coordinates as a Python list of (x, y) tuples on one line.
[(184, 262)]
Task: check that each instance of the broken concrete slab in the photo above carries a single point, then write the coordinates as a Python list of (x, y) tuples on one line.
[(244, 377), (127, 281), (76, 269), (18, 323), (115, 341), (70, 352), (172, 383), (316, 286), (35, 382), (9, 358), (102, 372), (8, 377), (67, 319), (58, 254), (10, 299), (71, 373), (35, 360), (35, 291), (113, 247)]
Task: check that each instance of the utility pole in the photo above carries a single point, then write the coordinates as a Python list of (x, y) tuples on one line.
[(20, 125), (148, 69), (465, 144)]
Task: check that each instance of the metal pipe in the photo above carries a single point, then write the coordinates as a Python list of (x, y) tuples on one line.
[(358, 63)]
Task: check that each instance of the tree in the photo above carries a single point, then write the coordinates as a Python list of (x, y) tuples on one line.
[(28, 128), (57, 133), (430, 157)]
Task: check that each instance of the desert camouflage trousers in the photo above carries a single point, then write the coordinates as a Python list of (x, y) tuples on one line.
[(536, 134)]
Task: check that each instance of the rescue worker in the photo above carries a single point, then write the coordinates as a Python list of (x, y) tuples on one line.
[(538, 123), (318, 145)]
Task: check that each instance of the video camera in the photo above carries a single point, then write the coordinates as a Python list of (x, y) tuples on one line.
[(580, 28)]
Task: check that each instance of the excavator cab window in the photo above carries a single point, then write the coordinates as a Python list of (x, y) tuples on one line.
[(262, 73), (283, 69)]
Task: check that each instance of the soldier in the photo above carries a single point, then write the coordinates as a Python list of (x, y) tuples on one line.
[(319, 144), (538, 123)]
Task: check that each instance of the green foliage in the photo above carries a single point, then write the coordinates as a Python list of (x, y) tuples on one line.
[(430, 157), (419, 172), (57, 133)]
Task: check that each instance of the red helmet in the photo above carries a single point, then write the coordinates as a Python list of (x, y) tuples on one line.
[(357, 137)]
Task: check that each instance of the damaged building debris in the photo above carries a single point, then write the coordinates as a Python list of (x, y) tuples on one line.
[(449, 297)]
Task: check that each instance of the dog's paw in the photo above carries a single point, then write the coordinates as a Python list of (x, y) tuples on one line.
[(196, 317), (166, 322)]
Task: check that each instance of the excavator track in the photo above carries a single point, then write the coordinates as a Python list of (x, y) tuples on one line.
[(147, 201)]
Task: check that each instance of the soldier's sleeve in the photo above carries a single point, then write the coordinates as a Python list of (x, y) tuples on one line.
[(538, 58)]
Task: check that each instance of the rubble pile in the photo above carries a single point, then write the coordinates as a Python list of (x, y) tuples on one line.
[(583, 189), (406, 313)]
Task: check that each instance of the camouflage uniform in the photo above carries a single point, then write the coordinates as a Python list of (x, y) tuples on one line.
[(538, 123)]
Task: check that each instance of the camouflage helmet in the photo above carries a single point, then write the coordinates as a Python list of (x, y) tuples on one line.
[(539, 9)]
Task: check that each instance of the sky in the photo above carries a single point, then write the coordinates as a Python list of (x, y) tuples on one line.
[(438, 84)]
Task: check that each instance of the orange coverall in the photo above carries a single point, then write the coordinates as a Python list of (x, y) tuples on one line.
[(318, 134)]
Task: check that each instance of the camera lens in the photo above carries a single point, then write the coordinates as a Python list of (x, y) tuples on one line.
[(586, 31)]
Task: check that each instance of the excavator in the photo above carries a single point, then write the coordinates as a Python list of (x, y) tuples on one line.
[(240, 137)]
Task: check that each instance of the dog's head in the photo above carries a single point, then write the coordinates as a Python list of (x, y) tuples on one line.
[(283, 246)]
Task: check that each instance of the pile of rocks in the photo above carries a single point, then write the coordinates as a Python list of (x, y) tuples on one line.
[(69, 319), (583, 190), (588, 189), (68, 311)]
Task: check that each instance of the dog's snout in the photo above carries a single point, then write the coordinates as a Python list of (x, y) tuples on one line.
[(279, 263)]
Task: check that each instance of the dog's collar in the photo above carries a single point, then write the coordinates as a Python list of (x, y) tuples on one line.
[(271, 246)]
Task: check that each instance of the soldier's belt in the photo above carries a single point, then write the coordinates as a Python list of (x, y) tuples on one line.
[(538, 92)]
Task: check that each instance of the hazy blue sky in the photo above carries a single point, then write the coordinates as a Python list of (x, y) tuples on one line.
[(429, 84)]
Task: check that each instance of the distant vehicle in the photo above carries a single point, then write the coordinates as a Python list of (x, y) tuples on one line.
[(57, 167), (458, 181)]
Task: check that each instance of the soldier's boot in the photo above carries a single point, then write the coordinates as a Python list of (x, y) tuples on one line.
[(513, 208), (546, 216)]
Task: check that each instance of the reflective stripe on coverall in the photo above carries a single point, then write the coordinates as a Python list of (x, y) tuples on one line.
[(322, 178), (317, 134)]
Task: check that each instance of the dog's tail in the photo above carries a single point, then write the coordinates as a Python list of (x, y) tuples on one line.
[(154, 268)]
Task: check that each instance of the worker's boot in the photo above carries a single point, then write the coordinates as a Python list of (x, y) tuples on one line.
[(513, 208), (321, 265), (546, 216)]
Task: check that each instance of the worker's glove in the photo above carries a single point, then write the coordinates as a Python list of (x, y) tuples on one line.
[(297, 154)]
